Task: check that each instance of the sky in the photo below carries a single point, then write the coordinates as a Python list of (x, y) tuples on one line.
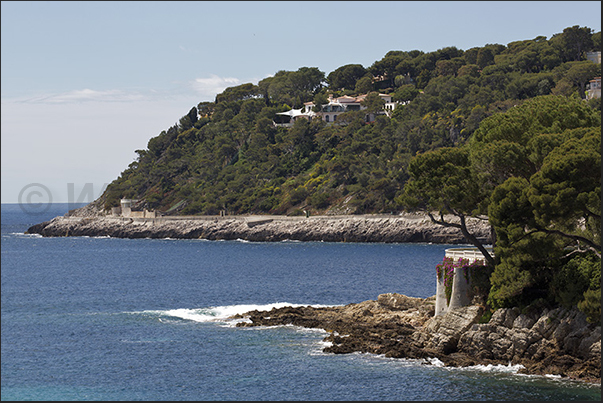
[(85, 84)]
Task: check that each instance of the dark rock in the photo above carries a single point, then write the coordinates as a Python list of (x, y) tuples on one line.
[(401, 327)]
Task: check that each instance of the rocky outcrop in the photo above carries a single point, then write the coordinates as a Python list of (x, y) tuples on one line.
[(553, 341), (365, 228), (557, 341)]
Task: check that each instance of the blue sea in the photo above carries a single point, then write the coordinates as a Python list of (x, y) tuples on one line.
[(147, 319)]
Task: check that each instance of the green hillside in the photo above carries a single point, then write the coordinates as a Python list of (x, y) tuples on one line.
[(228, 154), (510, 134)]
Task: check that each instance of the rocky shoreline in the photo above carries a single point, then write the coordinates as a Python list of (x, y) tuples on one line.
[(349, 228), (543, 341)]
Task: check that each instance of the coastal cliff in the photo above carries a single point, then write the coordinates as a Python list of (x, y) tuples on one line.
[(543, 341), (349, 228)]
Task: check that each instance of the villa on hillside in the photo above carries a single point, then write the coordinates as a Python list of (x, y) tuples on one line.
[(594, 88), (334, 108)]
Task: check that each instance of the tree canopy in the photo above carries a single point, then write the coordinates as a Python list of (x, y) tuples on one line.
[(535, 172), (346, 77), (501, 133), (204, 160)]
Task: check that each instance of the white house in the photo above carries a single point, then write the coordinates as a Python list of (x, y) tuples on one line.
[(594, 88), (334, 108)]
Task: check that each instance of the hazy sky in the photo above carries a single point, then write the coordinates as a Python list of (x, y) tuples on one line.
[(84, 84)]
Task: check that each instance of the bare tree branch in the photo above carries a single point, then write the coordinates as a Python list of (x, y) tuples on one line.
[(468, 235)]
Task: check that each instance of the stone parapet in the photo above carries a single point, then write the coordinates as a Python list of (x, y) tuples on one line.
[(461, 294)]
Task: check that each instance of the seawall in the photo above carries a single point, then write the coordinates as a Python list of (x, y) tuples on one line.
[(407, 228)]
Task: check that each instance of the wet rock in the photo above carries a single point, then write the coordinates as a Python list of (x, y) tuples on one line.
[(447, 329), (398, 326)]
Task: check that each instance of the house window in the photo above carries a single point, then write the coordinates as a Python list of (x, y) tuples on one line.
[(326, 118), (334, 118)]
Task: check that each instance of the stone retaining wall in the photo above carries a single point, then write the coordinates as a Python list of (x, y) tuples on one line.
[(389, 229)]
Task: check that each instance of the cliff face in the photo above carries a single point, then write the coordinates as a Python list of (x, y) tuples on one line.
[(550, 341), (366, 228)]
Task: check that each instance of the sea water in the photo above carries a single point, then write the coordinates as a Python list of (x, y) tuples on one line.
[(87, 318)]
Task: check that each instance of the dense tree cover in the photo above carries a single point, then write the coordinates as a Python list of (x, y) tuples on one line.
[(535, 173), (549, 222), (345, 77), (228, 155), (498, 132), (443, 183), (292, 88)]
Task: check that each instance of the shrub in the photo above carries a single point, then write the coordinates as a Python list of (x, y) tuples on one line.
[(591, 306), (578, 276), (319, 200)]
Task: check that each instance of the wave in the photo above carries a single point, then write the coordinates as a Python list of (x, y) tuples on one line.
[(499, 368), (515, 371), (509, 369), (23, 234), (217, 313)]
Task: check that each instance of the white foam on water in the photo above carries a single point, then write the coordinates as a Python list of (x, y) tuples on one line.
[(217, 313), (500, 368), (27, 235), (508, 369), (221, 314), (435, 362)]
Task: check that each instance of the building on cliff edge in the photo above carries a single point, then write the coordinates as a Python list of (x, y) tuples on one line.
[(460, 294)]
